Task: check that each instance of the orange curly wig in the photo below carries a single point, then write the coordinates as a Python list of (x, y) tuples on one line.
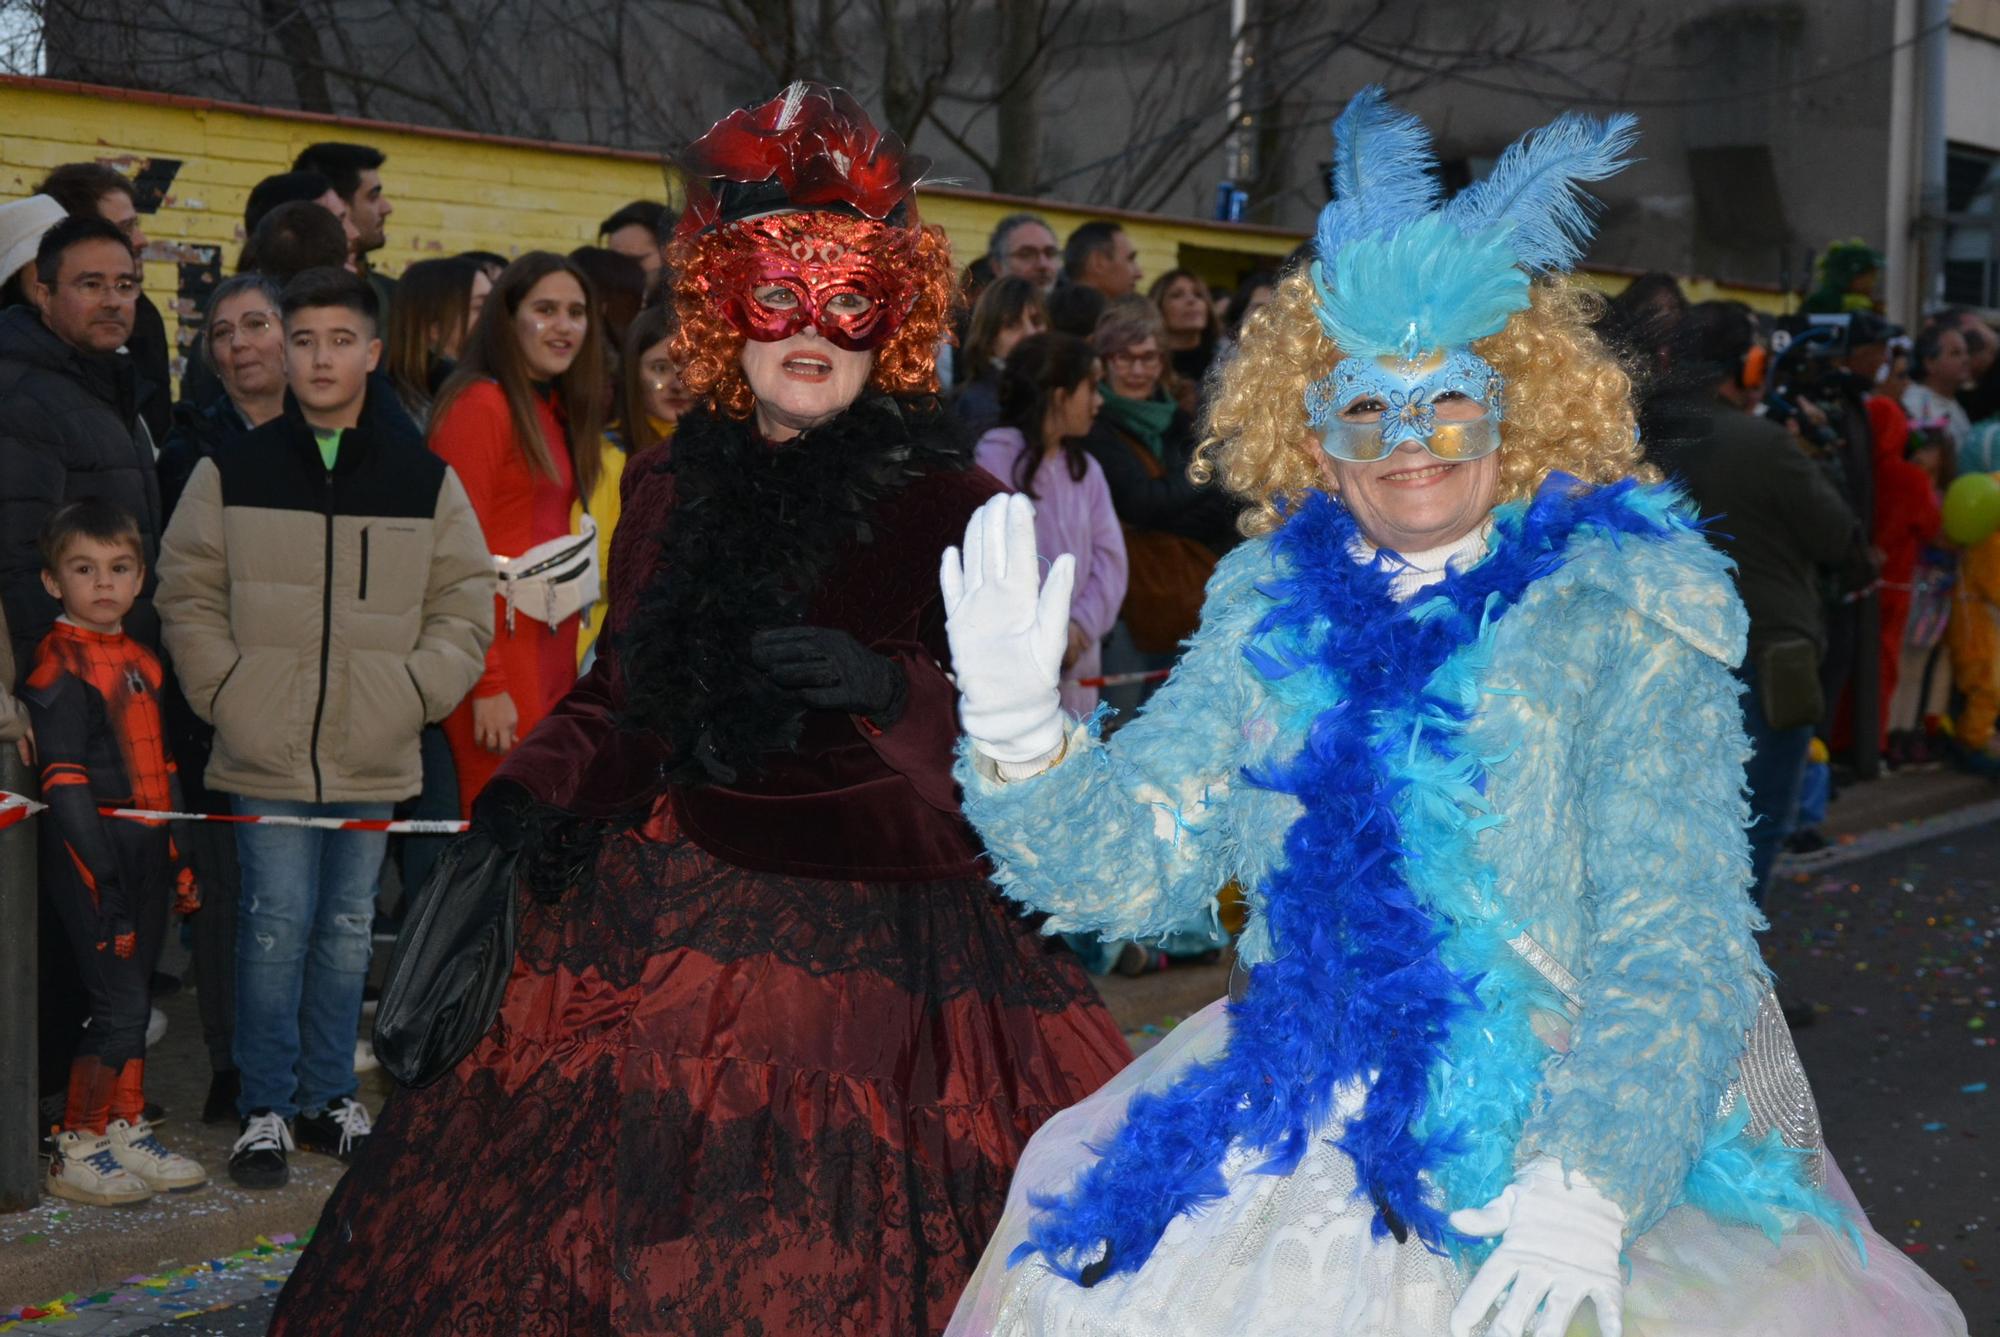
[(709, 350)]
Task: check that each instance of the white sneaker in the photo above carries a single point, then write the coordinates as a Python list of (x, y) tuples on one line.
[(86, 1169), (141, 1152), (364, 1057), (156, 1028)]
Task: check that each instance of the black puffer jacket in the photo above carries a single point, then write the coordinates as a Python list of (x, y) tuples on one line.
[(198, 432), (69, 429)]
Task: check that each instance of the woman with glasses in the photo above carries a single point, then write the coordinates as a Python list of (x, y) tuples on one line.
[(1175, 528), (243, 343), (1460, 719)]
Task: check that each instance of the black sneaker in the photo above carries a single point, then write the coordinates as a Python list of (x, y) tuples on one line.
[(258, 1158), (337, 1131), (1806, 840), (223, 1088)]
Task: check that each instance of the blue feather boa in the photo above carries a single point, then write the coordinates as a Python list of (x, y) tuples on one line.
[(1381, 969)]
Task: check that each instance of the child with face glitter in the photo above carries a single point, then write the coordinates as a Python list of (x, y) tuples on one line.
[(1501, 1056), (520, 421), (771, 1043)]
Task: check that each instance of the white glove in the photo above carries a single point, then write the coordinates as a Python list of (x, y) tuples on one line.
[(1008, 630), (1559, 1246)]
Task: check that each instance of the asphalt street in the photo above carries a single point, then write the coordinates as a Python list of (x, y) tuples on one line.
[(1899, 954), (1895, 948)]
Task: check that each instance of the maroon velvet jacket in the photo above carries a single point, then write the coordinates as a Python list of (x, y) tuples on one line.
[(851, 802)]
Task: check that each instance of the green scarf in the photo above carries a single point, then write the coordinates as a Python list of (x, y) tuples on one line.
[(1147, 419)]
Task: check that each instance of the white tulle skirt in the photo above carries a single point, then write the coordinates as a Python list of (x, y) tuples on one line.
[(1294, 1255)]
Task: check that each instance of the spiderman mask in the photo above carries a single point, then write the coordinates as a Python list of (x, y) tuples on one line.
[(844, 277)]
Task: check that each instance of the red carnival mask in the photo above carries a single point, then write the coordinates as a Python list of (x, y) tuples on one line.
[(845, 277)]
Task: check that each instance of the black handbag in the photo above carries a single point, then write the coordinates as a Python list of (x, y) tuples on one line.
[(1788, 684), (451, 962)]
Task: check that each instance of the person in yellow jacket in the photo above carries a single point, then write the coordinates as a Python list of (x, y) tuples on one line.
[(650, 401)]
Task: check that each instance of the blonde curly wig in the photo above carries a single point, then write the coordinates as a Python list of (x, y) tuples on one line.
[(1569, 405)]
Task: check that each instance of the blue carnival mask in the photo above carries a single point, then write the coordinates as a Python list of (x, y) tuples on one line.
[(1405, 282), (1450, 400)]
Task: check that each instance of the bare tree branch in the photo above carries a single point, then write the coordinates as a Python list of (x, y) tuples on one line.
[(1129, 105)]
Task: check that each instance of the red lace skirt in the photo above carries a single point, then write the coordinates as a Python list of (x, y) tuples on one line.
[(716, 1102)]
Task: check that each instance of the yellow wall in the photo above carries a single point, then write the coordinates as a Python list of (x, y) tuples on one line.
[(448, 195), (454, 193)]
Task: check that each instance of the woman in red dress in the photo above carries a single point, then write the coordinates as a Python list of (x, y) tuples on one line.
[(519, 421), (773, 1043)]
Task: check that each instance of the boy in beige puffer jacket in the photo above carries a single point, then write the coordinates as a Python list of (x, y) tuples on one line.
[(324, 592)]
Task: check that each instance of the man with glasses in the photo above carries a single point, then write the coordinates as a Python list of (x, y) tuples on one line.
[(69, 419), (92, 190), (1024, 246)]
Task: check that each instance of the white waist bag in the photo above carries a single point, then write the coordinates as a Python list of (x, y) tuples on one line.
[(553, 580)]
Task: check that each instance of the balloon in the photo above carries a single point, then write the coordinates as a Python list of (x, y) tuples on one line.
[(1971, 508)]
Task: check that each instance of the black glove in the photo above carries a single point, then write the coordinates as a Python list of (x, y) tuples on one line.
[(499, 814), (831, 670)]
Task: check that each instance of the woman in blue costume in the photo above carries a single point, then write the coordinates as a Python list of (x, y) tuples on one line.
[(1460, 716)]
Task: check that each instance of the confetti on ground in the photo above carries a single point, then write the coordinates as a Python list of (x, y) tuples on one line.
[(1898, 955), (198, 1288)]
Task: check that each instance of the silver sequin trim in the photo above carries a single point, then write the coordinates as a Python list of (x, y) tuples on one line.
[(1769, 1075)]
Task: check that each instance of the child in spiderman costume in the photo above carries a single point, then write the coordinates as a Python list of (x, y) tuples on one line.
[(93, 698)]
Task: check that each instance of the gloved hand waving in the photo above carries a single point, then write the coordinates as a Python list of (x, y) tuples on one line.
[(1008, 629), (1559, 1246)]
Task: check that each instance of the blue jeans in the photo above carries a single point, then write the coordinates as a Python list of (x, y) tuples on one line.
[(302, 942), (1776, 767)]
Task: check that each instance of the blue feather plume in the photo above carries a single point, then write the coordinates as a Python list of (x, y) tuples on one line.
[(1384, 173), (1422, 286), (1534, 189)]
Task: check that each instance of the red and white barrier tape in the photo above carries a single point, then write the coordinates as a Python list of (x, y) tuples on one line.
[(17, 807), (1124, 679)]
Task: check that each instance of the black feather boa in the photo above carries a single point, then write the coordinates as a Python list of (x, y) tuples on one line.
[(754, 532)]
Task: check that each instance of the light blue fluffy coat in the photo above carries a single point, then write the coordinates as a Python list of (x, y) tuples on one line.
[(1610, 826)]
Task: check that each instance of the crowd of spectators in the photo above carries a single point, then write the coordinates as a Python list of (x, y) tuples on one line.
[(339, 539), (1822, 447), (322, 578)]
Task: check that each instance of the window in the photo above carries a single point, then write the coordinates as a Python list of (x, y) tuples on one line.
[(1972, 227)]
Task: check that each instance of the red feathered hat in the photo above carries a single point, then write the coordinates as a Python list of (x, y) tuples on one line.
[(810, 148)]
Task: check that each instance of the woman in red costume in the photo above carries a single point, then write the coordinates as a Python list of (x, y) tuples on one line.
[(765, 1067)]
